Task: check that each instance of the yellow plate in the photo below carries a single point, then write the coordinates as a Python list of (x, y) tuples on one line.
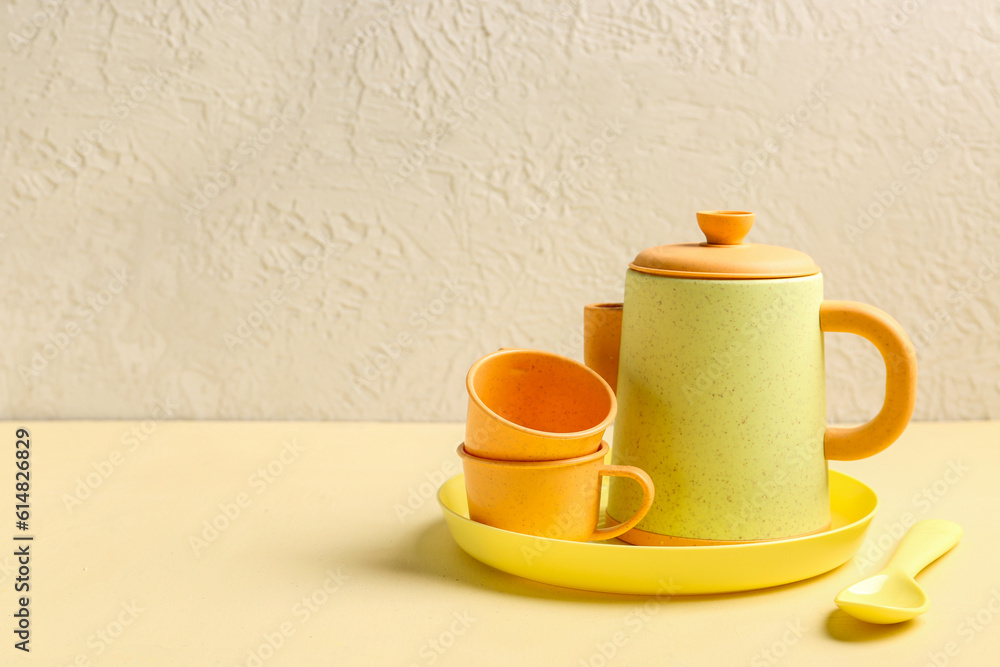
[(616, 567)]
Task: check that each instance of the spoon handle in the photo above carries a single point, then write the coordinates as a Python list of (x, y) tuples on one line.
[(925, 542)]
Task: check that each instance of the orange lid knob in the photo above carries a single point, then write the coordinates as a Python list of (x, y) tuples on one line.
[(725, 227)]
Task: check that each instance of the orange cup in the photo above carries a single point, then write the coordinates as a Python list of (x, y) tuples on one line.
[(556, 499), (529, 405)]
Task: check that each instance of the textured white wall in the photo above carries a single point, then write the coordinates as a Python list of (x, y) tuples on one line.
[(232, 208)]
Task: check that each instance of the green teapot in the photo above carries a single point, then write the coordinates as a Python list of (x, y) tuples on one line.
[(716, 358)]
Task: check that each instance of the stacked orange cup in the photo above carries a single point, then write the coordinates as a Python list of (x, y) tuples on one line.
[(533, 454)]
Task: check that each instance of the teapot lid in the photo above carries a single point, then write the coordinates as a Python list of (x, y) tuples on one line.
[(724, 256)]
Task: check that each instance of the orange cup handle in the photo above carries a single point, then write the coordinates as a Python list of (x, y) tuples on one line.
[(645, 482), (851, 444)]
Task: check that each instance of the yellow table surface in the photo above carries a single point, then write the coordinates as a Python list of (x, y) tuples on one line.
[(328, 548)]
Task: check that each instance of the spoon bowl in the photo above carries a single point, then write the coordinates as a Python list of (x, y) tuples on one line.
[(890, 597)]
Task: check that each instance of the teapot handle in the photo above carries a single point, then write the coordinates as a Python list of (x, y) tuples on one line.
[(851, 444)]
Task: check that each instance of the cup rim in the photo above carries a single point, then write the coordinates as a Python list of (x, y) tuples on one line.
[(572, 435), (535, 465)]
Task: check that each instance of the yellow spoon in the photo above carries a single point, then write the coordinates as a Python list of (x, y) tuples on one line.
[(892, 596)]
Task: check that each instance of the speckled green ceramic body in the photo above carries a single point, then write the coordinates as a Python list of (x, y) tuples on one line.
[(721, 399)]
